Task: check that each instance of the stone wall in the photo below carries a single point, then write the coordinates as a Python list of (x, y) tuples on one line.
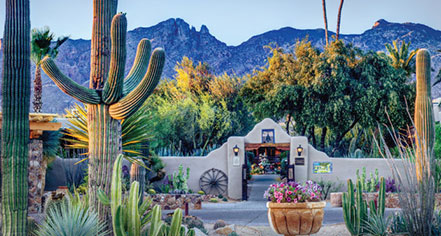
[(174, 201), (36, 170)]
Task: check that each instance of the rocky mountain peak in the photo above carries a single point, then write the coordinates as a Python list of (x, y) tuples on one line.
[(179, 39), (380, 22)]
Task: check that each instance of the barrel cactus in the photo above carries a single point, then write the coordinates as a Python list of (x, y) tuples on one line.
[(110, 97), (424, 125), (137, 173), (15, 126)]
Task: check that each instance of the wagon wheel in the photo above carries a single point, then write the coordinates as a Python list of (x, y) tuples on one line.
[(213, 181)]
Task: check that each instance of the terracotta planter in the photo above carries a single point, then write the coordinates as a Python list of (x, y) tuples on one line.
[(296, 218)]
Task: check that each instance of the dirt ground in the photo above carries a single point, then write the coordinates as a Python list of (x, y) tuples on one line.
[(326, 230)]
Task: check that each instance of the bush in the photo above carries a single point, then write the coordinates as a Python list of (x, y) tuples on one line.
[(328, 187), (201, 192), (213, 200)]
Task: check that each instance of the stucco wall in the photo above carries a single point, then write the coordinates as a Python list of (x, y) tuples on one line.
[(198, 165), (345, 168)]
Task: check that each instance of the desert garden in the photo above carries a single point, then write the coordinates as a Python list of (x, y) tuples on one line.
[(324, 139)]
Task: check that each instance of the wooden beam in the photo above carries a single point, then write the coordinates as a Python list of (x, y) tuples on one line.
[(46, 126), (280, 146)]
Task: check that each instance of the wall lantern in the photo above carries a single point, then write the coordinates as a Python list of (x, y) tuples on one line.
[(299, 150), (236, 150)]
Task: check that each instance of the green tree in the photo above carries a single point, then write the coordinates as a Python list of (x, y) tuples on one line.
[(327, 94), (41, 40), (196, 111), (401, 57)]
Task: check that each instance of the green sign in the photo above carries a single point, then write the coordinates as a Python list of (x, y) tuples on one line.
[(322, 167)]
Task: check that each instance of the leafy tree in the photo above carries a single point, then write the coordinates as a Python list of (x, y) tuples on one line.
[(328, 93), (196, 111), (41, 40)]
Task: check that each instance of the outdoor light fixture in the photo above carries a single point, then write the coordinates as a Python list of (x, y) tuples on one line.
[(299, 150), (236, 150)]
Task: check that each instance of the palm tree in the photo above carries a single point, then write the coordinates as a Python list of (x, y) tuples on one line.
[(40, 47), (401, 58), (338, 19), (326, 21)]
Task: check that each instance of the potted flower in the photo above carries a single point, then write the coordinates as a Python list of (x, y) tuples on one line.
[(295, 209)]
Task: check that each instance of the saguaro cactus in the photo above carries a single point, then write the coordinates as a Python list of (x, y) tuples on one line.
[(15, 124), (110, 96), (424, 126)]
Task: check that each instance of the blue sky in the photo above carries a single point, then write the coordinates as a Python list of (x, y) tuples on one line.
[(234, 21)]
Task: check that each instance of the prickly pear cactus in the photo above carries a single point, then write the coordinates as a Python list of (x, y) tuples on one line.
[(15, 124), (424, 124), (180, 181), (110, 97)]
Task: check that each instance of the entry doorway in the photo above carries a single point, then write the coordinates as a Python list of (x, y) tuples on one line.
[(265, 159)]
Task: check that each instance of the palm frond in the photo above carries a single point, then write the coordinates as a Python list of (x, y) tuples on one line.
[(134, 131), (41, 40)]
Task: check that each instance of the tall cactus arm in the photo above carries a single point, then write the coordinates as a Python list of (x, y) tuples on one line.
[(130, 103), (67, 85), (113, 87), (139, 67)]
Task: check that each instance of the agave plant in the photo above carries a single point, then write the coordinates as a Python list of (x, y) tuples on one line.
[(134, 135), (71, 219)]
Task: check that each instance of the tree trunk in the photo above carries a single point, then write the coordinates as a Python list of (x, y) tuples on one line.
[(325, 18), (288, 120), (38, 89), (105, 143), (15, 126), (338, 19), (323, 138), (312, 133)]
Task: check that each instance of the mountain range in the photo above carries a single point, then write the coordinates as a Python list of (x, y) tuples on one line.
[(179, 39)]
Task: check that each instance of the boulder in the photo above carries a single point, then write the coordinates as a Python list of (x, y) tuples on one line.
[(225, 230), (219, 224)]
